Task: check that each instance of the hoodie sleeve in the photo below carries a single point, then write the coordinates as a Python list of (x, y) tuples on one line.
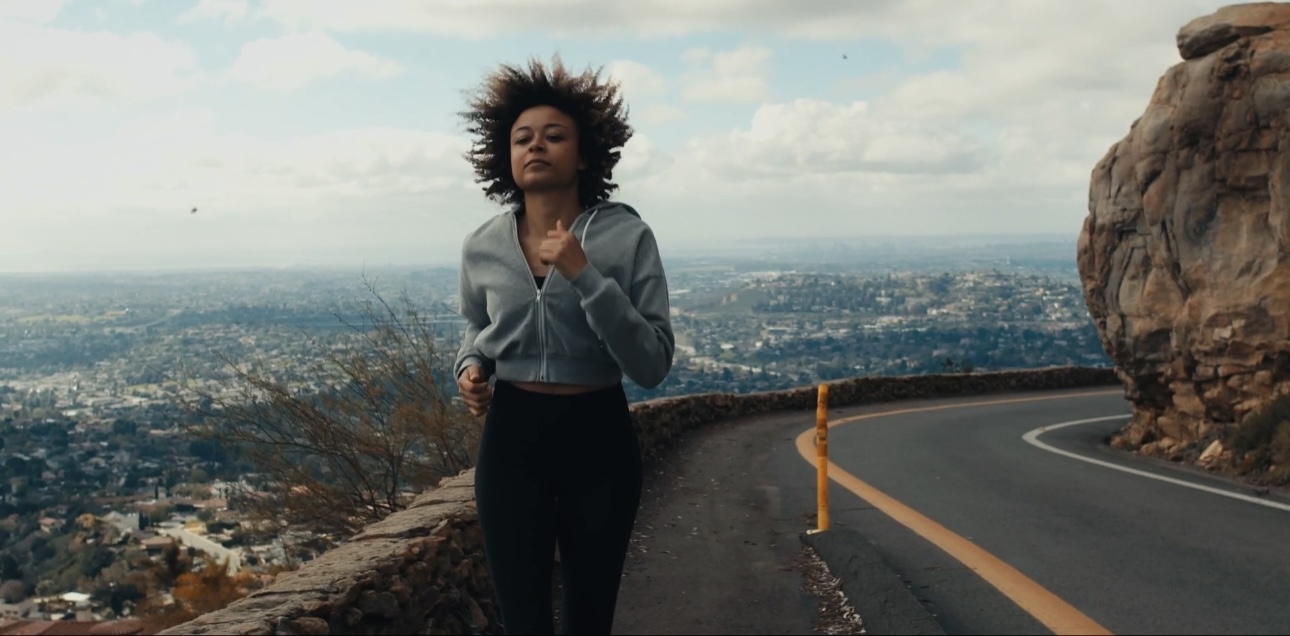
[(635, 324), (475, 312)]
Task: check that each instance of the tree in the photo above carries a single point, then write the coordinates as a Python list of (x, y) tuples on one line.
[(204, 590), (211, 588), (120, 594), (158, 513), (93, 560), (46, 587), (207, 450), (13, 591), (344, 456), (9, 568), (41, 551), (176, 563)]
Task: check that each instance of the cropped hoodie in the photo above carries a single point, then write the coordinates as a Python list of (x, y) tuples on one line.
[(611, 320)]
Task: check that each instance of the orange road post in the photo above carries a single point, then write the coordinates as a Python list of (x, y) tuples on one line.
[(822, 458)]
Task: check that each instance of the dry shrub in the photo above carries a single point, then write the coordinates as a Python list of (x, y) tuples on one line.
[(383, 427)]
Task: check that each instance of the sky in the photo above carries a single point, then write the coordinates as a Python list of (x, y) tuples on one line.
[(325, 132)]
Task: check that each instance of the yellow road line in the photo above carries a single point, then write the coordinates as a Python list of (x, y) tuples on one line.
[(1047, 608)]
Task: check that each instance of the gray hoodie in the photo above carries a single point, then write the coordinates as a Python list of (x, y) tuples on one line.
[(611, 320)]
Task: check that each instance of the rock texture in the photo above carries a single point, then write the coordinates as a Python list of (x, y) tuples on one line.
[(422, 570), (1183, 255), (419, 571)]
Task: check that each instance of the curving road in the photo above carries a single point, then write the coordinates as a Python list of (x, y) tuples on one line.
[(718, 530), (1133, 553)]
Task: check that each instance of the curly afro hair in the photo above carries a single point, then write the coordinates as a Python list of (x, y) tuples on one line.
[(595, 106)]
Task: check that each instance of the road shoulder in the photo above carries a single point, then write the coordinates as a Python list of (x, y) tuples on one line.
[(716, 543), (879, 594)]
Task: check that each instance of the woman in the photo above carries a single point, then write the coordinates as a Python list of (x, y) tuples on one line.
[(563, 295)]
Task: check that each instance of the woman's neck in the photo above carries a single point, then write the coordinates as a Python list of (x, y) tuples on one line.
[(543, 209)]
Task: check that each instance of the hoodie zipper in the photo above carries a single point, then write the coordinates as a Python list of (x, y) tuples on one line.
[(537, 291), (537, 297)]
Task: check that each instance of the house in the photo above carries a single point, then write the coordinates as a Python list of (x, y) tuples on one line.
[(154, 545), (15, 611), (126, 523), (78, 600)]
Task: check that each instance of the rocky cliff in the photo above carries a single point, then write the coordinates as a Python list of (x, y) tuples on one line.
[(422, 570), (1183, 255)]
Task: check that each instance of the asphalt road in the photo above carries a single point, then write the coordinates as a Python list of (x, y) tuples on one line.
[(718, 530), (1135, 554)]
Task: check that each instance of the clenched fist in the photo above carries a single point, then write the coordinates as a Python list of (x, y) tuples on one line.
[(561, 249), (474, 390)]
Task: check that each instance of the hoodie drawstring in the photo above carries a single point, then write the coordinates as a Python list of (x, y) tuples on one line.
[(588, 226)]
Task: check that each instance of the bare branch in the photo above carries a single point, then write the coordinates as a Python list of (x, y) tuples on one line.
[(382, 422)]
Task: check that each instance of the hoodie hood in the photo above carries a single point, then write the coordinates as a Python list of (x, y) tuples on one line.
[(602, 210), (605, 207)]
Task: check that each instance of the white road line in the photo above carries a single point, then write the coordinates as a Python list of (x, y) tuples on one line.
[(1033, 438)]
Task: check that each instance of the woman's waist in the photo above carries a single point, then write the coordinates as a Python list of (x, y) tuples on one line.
[(558, 373), (559, 388), (541, 396)]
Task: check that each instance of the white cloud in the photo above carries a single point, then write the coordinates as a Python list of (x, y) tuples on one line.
[(225, 10), (809, 138), (641, 158), (656, 114), (292, 61), (740, 75), (640, 82), (636, 79), (126, 193), (928, 22), (60, 68), (1056, 83), (560, 17), (163, 162), (33, 11)]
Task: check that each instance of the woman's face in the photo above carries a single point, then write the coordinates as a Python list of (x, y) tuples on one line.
[(544, 150)]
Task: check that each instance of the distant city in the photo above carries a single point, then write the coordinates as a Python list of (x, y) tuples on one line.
[(93, 368)]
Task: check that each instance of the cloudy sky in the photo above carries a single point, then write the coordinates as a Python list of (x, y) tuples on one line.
[(324, 131)]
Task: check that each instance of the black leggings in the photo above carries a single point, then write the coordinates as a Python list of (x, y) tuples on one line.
[(563, 469)]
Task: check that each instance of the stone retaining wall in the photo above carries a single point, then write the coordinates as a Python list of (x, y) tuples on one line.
[(422, 570)]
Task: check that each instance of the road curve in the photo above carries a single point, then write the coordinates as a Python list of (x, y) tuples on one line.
[(1133, 553)]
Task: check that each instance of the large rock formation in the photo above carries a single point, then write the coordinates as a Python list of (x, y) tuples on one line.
[(1183, 255)]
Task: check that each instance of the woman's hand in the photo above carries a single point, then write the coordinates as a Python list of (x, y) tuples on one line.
[(474, 390), (561, 249)]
